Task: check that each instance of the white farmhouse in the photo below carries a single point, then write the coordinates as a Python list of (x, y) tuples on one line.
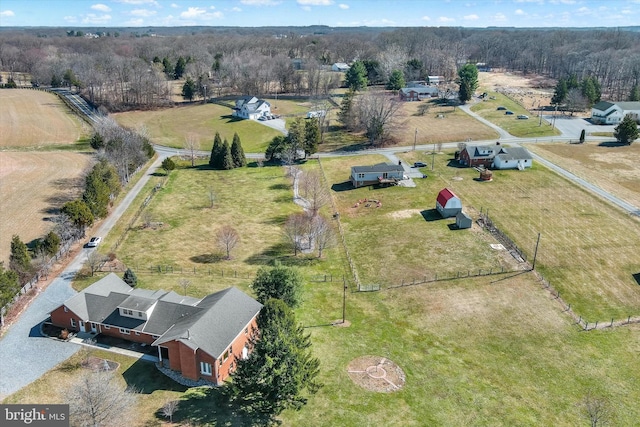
[(250, 107), (611, 113)]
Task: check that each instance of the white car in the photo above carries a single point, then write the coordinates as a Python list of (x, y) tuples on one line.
[(95, 241)]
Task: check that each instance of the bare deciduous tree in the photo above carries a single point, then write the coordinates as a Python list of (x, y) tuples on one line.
[(227, 238), (377, 114), (297, 231), (169, 408), (314, 191), (596, 409), (96, 399), (94, 261), (191, 145), (184, 284), (322, 234)]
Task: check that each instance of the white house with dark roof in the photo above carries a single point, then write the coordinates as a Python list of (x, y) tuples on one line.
[(611, 113), (381, 173), (252, 108), (340, 67), (495, 156), (199, 338)]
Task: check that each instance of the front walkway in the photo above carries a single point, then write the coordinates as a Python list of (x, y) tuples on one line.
[(88, 340)]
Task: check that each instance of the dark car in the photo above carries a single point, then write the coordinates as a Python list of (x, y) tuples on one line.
[(509, 113), (501, 108), (419, 165)]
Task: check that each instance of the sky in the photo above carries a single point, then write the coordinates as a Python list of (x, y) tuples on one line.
[(334, 13)]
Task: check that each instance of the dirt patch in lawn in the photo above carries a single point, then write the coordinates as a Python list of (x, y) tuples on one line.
[(98, 364), (375, 373), (407, 213)]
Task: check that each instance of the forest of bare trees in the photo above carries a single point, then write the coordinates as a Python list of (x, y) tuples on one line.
[(132, 68)]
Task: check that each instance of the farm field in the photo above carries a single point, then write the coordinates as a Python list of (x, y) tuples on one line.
[(49, 179), (55, 124), (612, 167)]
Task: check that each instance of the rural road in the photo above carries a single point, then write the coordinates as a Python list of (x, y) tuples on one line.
[(32, 355), (25, 355)]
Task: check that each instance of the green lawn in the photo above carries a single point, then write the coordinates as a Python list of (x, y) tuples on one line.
[(488, 351), (530, 128)]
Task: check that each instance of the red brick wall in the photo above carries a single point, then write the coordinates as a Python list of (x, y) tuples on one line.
[(114, 331), (63, 319), (189, 365)]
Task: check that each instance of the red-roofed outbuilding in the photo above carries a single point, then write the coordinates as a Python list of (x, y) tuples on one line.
[(447, 203)]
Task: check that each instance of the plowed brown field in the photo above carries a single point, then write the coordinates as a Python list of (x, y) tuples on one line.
[(34, 118)]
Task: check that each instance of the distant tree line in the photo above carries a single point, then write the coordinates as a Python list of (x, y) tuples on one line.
[(133, 71)]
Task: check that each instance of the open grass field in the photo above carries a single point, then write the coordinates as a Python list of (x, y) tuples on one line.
[(35, 119), (405, 240), (440, 124), (494, 350), (611, 167), (171, 126), (48, 178)]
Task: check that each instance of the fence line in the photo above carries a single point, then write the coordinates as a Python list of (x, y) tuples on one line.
[(487, 224), (336, 216)]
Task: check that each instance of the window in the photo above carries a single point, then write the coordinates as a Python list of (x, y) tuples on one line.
[(139, 314), (125, 331), (137, 333), (360, 176), (246, 331), (225, 356), (66, 310), (106, 326), (155, 337), (205, 368), (73, 323)]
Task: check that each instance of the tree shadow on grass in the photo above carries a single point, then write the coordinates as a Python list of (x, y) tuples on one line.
[(207, 258), (145, 378), (231, 119), (283, 253), (208, 406), (636, 278), (613, 144), (280, 186), (343, 186)]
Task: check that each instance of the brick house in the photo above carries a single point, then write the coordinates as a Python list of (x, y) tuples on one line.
[(495, 156), (199, 338)]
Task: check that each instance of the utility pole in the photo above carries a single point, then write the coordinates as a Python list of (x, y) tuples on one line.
[(344, 300), (535, 254), (540, 114), (415, 137), (204, 87), (433, 156)]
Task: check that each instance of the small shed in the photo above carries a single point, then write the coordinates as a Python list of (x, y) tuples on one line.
[(448, 204), (463, 220)]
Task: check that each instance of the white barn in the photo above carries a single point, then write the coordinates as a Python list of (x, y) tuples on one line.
[(611, 113)]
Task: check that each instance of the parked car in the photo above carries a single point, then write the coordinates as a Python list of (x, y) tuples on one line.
[(501, 108), (262, 118), (419, 165), (95, 241), (523, 117), (509, 113)]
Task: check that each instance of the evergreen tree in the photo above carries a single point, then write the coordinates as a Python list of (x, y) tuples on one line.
[(560, 92), (178, 71), (227, 159), (279, 371), (51, 243), (590, 89), (97, 141), (280, 282), (130, 278), (356, 77), (373, 73), (275, 148), (96, 194), (396, 80), (56, 81), (20, 260), (635, 93), (167, 67), (215, 161), (189, 89), (311, 136), (168, 165), (9, 285), (468, 81), (572, 82), (79, 214), (237, 153), (345, 115), (627, 131)]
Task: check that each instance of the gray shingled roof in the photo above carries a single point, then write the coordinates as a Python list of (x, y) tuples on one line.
[(603, 105), (380, 167), (211, 323), (514, 153), (223, 316)]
